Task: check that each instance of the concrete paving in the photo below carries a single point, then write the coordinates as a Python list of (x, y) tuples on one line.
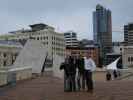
[(50, 88)]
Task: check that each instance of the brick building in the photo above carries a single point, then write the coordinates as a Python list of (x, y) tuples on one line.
[(92, 50)]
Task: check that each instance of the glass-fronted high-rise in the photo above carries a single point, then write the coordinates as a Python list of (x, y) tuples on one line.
[(102, 29)]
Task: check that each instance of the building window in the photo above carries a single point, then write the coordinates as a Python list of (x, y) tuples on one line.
[(4, 64), (4, 55), (13, 61), (131, 59), (128, 59), (15, 55)]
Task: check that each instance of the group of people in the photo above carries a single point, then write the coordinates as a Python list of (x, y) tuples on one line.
[(113, 74), (78, 73)]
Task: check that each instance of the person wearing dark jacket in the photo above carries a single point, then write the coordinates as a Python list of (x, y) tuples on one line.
[(65, 66), (108, 76), (115, 74), (72, 73), (69, 74), (81, 75)]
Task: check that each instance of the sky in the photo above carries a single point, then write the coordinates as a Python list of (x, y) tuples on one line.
[(64, 15)]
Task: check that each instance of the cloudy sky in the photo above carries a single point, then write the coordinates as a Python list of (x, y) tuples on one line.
[(64, 15)]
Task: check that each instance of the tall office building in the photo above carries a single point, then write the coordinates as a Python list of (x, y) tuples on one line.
[(102, 29), (128, 34), (71, 39)]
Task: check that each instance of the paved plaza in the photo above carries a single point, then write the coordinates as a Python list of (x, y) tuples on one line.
[(50, 88)]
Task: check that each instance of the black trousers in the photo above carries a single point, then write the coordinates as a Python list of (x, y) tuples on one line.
[(89, 81)]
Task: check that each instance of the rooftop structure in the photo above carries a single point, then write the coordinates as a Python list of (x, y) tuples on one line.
[(40, 26)]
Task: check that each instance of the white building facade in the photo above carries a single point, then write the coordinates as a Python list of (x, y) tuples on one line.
[(53, 41), (127, 56)]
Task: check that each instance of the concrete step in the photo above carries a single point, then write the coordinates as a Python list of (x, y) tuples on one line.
[(125, 76)]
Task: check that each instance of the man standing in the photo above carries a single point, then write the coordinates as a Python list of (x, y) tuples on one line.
[(69, 74), (80, 77), (72, 73), (89, 68), (65, 66)]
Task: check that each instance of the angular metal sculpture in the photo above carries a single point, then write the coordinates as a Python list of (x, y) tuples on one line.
[(32, 55)]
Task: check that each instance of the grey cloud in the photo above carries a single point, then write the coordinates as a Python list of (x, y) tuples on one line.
[(66, 14)]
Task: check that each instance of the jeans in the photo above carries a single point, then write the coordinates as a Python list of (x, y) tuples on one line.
[(69, 82), (72, 84), (66, 82), (80, 81)]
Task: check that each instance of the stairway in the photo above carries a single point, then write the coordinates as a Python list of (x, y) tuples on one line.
[(126, 75)]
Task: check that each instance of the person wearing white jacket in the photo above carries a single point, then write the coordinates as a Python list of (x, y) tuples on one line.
[(89, 66)]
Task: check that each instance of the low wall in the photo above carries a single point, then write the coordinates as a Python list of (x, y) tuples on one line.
[(9, 76), (3, 78), (56, 67), (24, 74)]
